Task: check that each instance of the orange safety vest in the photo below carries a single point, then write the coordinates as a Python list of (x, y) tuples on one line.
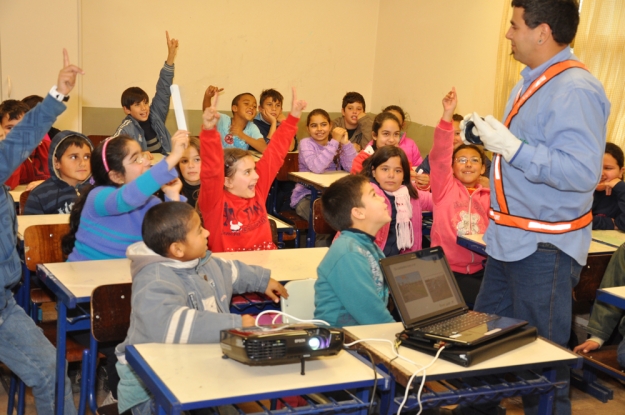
[(503, 215)]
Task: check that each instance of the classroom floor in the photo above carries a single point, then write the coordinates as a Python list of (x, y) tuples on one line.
[(582, 403)]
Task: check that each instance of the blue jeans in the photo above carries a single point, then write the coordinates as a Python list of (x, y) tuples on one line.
[(28, 354), (537, 289)]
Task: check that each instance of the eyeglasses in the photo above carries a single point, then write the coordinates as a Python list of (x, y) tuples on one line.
[(138, 160), (463, 160)]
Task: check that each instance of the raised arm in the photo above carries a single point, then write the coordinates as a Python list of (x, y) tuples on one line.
[(212, 172), (210, 92)]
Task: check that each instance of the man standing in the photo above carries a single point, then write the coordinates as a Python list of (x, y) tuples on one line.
[(548, 163)]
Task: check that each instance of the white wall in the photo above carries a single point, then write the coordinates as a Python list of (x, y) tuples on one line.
[(426, 47), (33, 34)]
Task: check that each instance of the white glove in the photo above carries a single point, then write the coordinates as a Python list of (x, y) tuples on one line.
[(496, 136)]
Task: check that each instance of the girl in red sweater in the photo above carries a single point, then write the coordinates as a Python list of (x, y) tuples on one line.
[(234, 188)]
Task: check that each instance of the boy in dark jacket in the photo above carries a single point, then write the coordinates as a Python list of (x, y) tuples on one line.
[(70, 169)]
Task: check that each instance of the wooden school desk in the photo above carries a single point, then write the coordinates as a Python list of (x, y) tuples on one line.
[(15, 194), (73, 283), (192, 376), (24, 221), (538, 356), (316, 183), (612, 295)]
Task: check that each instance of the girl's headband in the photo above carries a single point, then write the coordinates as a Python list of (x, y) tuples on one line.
[(106, 143)]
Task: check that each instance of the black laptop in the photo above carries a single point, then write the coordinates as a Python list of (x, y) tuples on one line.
[(430, 304)]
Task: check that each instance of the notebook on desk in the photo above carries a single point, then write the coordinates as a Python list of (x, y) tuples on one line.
[(431, 306)]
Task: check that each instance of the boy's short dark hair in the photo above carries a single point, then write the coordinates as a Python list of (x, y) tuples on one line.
[(165, 224), (235, 100), (271, 93), (457, 117), (338, 200), (71, 140), (562, 16), (134, 95), (352, 97), (32, 100), (14, 108), (616, 152)]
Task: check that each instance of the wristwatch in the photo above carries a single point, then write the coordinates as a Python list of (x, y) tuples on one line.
[(58, 96)]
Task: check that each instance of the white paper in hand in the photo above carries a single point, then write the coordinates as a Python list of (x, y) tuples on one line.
[(177, 100)]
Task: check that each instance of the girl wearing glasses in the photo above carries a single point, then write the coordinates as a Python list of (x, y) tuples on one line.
[(460, 202)]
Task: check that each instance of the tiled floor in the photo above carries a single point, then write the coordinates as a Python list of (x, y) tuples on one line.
[(583, 404)]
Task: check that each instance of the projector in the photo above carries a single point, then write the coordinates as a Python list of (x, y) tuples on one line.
[(280, 343)]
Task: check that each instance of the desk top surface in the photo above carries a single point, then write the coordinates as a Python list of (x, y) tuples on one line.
[(616, 292), (322, 180), (24, 221), (80, 278), (596, 245), (538, 352), (17, 192), (189, 372)]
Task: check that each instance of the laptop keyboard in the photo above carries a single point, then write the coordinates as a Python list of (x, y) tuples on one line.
[(459, 323)]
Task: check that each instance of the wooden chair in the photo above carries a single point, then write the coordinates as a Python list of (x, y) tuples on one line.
[(23, 198), (291, 163), (110, 319), (319, 223), (97, 139)]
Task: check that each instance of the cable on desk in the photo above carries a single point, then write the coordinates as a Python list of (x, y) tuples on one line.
[(393, 347), (421, 385), (281, 313)]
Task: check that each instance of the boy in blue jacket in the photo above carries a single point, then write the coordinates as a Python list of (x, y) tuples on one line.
[(144, 122), (23, 347), (180, 292), (350, 289)]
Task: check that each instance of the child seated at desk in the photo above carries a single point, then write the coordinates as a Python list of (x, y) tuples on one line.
[(350, 288), (189, 168), (234, 188), (70, 166), (180, 292), (461, 203), (389, 173), (608, 205), (605, 317), (240, 130), (270, 115)]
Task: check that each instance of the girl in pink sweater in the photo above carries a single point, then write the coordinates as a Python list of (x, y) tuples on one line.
[(460, 202)]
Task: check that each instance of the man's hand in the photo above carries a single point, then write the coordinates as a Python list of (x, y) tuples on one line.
[(297, 106), (586, 347), (340, 134), (210, 92), (67, 76), (210, 115), (496, 137), (449, 105), (172, 49), (275, 290), (609, 185), (268, 117)]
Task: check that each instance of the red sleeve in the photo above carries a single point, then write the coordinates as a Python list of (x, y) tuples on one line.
[(14, 180), (273, 157), (212, 173), (358, 160)]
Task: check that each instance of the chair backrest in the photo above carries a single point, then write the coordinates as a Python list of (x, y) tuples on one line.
[(319, 223), (42, 244), (97, 139), (23, 198), (301, 301), (291, 163), (110, 312), (274, 231)]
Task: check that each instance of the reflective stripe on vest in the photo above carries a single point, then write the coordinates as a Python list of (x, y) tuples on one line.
[(503, 216)]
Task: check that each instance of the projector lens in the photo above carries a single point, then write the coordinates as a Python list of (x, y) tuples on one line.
[(314, 343)]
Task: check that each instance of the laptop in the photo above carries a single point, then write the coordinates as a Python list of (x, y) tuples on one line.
[(431, 306)]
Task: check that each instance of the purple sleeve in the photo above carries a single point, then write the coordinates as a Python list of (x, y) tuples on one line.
[(314, 158)]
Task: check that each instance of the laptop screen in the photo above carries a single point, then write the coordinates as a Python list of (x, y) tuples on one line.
[(422, 284)]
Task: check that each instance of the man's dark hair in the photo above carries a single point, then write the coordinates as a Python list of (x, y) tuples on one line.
[(457, 117), (235, 100), (562, 16), (352, 97), (338, 200), (616, 152), (14, 108), (165, 224), (134, 95), (271, 93), (71, 140)]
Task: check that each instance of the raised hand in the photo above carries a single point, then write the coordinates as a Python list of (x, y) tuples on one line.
[(297, 106), (67, 76), (449, 104), (210, 116), (179, 143), (340, 134), (211, 91), (172, 189), (172, 49)]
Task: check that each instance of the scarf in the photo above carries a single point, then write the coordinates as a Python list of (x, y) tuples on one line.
[(403, 223)]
